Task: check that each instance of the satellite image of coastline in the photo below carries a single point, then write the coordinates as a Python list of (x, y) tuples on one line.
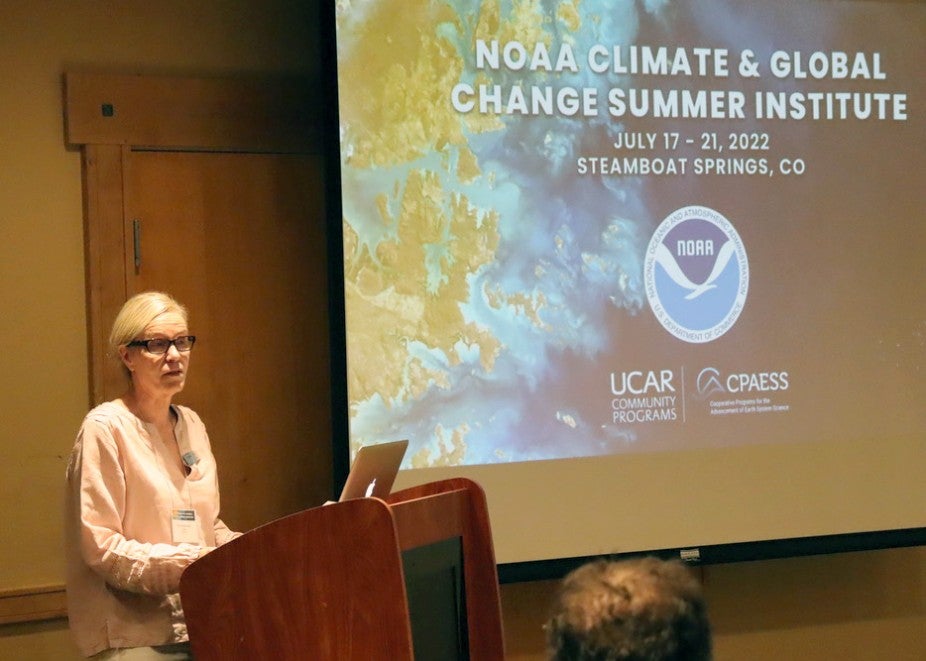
[(495, 295)]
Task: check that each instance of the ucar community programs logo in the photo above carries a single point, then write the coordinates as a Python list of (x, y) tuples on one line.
[(696, 274)]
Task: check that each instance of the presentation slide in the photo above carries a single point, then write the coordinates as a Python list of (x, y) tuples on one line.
[(666, 257)]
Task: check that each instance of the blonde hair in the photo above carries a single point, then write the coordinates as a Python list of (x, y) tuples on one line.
[(138, 312)]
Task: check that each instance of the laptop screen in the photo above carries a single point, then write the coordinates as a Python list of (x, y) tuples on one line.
[(374, 470)]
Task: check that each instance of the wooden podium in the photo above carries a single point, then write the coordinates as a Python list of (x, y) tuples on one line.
[(411, 577)]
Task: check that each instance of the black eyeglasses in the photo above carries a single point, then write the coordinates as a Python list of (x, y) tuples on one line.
[(161, 345)]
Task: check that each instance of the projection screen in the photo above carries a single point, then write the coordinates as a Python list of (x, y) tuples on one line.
[(650, 272)]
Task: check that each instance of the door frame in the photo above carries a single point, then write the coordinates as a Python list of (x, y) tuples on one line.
[(109, 115)]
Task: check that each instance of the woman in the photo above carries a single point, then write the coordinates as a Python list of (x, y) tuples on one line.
[(143, 495)]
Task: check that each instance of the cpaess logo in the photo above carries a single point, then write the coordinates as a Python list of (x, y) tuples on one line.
[(710, 382), (696, 274)]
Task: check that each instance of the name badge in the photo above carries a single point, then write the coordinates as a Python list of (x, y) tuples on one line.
[(185, 527)]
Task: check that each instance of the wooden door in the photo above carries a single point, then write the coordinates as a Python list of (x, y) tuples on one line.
[(238, 238), (227, 216)]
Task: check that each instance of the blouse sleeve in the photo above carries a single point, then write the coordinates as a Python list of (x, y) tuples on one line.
[(223, 534), (97, 482)]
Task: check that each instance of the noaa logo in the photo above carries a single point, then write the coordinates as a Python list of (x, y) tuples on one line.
[(696, 274)]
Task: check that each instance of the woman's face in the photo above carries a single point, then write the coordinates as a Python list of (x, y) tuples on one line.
[(157, 375)]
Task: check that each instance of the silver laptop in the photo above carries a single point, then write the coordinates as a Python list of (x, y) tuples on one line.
[(374, 470)]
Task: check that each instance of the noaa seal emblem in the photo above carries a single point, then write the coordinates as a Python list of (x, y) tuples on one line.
[(696, 274)]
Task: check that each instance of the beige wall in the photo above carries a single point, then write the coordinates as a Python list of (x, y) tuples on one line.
[(864, 606), (854, 606)]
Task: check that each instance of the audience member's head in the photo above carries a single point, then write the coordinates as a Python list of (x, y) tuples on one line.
[(643, 609)]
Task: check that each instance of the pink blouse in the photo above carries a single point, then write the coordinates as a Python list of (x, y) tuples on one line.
[(124, 565)]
